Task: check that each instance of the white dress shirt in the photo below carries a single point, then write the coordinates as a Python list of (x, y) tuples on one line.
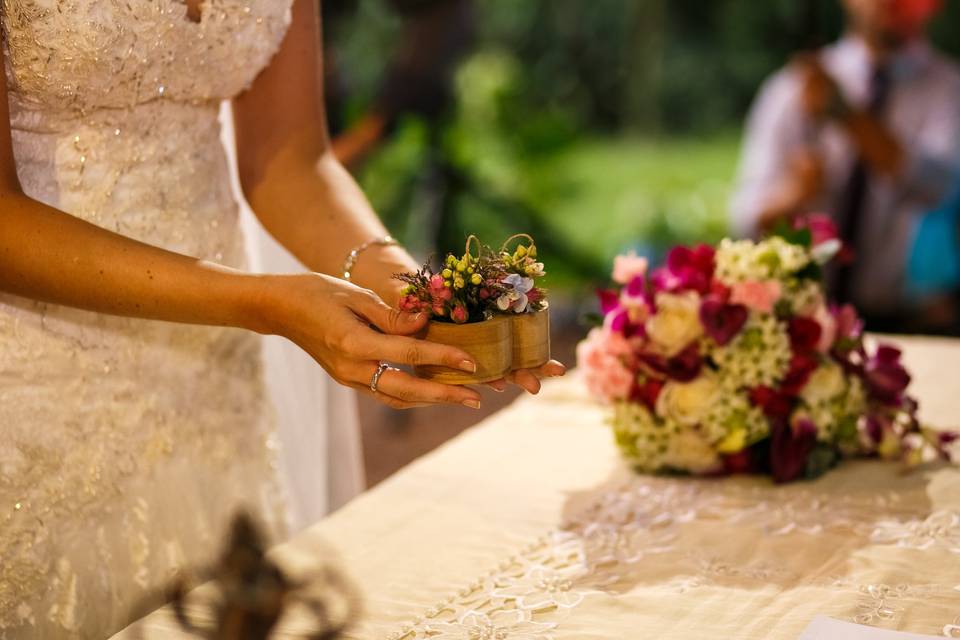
[(922, 111)]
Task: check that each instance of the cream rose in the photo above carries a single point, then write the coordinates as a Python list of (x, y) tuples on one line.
[(687, 403), (676, 322), (826, 383), (688, 451)]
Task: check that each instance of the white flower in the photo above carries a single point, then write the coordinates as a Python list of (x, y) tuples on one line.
[(825, 251), (759, 355), (516, 296), (689, 451), (688, 403), (676, 323), (826, 383), (534, 269), (770, 259)]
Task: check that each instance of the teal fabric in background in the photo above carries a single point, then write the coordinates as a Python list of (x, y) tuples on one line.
[(933, 266)]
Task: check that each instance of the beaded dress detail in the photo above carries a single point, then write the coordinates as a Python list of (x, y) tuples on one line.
[(126, 445)]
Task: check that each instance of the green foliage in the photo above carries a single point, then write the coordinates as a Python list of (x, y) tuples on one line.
[(595, 127)]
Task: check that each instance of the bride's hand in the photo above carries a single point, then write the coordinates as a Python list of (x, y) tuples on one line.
[(529, 379), (333, 321)]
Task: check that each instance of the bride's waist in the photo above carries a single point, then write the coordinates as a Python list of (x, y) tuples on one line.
[(156, 172)]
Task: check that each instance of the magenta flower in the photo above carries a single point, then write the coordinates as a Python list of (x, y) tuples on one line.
[(849, 324), (722, 321), (609, 300), (686, 270), (885, 376), (790, 446), (802, 367), (774, 404), (822, 227), (683, 367), (804, 334)]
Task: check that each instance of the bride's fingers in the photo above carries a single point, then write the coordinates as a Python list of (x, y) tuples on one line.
[(390, 401), (366, 344), (525, 379), (403, 386), (498, 385), (386, 318), (553, 369)]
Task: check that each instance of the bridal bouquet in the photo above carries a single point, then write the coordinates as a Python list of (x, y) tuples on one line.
[(729, 360)]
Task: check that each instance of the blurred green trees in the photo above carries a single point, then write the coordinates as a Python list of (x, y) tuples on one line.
[(602, 124)]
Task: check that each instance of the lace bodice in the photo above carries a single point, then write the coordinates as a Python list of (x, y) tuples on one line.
[(77, 56), (125, 445)]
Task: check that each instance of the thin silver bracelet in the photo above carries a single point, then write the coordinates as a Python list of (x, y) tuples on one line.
[(354, 255)]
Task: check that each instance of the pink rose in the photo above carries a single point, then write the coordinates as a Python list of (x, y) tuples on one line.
[(411, 304), (758, 295), (459, 314), (627, 267), (828, 326), (603, 356), (438, 291)]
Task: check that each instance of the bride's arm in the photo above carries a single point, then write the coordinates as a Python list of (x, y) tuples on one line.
[(297, 188), (46, 254), (299, 191)]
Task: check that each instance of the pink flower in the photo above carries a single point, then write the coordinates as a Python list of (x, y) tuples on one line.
[(758, 295), (627, 267), (828, 326), (604, 357), (459, 313), (411, 304), (438, 291)]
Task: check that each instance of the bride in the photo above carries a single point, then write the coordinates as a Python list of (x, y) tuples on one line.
[(132, 414)]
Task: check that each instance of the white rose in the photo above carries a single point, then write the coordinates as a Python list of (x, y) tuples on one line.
[(676, 322), (688, 451), (687, 403), (826, 383)]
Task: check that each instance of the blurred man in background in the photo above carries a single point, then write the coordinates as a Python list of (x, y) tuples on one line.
[(867, 130)]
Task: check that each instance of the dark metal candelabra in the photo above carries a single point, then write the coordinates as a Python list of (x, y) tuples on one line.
[(249, 594)]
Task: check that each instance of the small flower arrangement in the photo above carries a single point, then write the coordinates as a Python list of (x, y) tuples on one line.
[(472, 288), (730, 360)]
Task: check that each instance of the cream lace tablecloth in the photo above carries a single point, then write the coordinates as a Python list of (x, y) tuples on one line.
[(527, 527)]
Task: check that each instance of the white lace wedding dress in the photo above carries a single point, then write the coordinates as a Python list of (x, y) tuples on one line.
[(126, 445)]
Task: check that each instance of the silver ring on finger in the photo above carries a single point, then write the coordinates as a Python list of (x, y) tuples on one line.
[(382, 368)]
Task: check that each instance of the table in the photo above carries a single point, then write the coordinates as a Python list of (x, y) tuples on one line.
[(527, 527)]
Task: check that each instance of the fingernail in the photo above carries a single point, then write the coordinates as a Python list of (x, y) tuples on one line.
[(468, 366), (473, 404)]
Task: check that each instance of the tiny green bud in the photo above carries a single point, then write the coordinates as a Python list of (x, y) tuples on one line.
[(476, 279), (447, 274)]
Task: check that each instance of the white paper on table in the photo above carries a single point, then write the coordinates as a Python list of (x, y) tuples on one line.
[(823, 628)]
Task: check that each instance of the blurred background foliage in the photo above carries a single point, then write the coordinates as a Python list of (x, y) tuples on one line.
[(598, 126)]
